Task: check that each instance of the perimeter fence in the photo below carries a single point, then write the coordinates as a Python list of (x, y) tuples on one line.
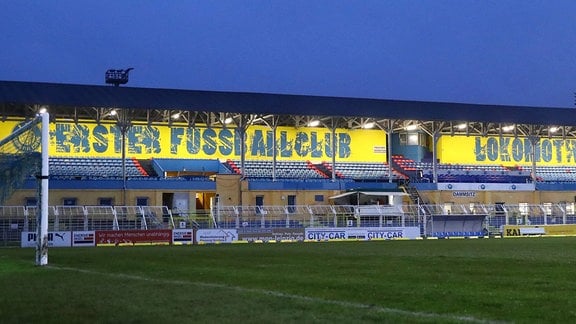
[(480, 219)]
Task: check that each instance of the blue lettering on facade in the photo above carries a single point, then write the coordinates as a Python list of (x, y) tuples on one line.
[(209, 147), (72, 138), (258, 146), (301, 145), (226, 142), (176, 134), (100, 144), (504, 143), (344, 141), (546, 150), (145, 139), (315, 145), (523, 150), (517, 149), (193, 140), (492, 149)]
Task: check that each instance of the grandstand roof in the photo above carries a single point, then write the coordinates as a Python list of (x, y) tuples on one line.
[(87, 101)]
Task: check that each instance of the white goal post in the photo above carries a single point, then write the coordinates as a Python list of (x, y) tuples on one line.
[(42, 218)]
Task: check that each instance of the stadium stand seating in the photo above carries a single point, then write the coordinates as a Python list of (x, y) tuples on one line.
[(363, 171), (423, 171), (556, 174), (356, 171), (94, 168), (402, 168), (284, 169)]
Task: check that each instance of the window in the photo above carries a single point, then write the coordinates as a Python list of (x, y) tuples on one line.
[(142, 201), (319, 198), (499, 209), (402, 138), (413, 139), (548, 209), (291, 203), (69, 201), (448, 208), (259, 204), (30, 201), (523, 208), (472, 207), (105, 201), (570, 208)]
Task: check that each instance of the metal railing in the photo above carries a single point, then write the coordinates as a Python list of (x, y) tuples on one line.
[(17, 219)]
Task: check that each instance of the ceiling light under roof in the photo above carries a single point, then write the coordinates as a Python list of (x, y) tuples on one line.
[(314, 123), (411, 127), (368, 125)]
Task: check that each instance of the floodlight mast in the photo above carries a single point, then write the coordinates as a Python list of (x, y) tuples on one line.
[(117, 77)]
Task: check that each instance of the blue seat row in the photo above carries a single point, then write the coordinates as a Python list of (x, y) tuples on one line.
[(457, 234)]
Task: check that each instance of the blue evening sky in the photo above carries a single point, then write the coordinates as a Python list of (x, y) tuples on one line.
[(513, 52)]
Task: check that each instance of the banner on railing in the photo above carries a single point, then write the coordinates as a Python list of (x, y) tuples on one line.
[(219, 235), (55, 239), (527, 230), (183, 236), (83, 238), (361, 233), (271, 234), (134, 237)]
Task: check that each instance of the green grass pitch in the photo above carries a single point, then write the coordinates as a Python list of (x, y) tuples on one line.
[(424, 281)]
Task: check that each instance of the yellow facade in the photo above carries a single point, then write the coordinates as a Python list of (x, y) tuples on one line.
[(179, 141), (506, 150)]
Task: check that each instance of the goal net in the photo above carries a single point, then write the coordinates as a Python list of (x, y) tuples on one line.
[(20, 157), (24, 155)]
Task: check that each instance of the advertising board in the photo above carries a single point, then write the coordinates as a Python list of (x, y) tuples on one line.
[(525, 230), (55, 239), (182, 236), (224, 235), (271, 234), (361, 233), (134, 237), (83, 238)]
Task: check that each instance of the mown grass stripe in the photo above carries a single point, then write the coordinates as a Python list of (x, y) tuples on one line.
[(380, 309)]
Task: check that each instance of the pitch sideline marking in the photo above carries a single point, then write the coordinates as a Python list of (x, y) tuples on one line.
[(274, 293)]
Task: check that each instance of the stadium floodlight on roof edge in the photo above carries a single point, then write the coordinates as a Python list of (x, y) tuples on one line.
[(117, 77)]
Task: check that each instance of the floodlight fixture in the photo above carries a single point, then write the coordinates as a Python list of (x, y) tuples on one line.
[(411, 127), (117, 77), (42, 110), (313, 123), (228, 120), (175, 116), (508, 128), (553, 129), (462, 126), (368, 125)]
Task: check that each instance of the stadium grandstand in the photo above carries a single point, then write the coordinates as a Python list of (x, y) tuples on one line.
[(141, 158)]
